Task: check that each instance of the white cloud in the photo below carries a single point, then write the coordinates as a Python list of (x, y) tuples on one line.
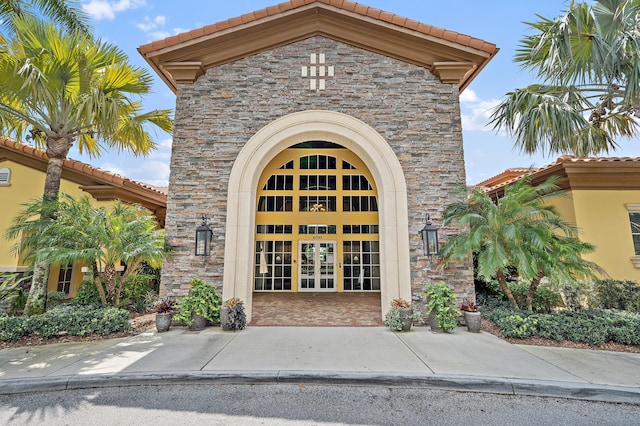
[(104, 9), (155, 27), (151, 24), (475, 112), (153, 170)]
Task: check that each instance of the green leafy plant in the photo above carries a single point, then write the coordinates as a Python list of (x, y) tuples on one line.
[(135, 292), (73, 320), (617, 294), (440, 299), (55, 298), (236, 317), (594, 327), (10, 287), (396, 320), (87, 294), (202, 300)]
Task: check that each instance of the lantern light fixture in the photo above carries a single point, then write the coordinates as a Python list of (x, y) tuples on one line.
[(204, 236), (429, 236)]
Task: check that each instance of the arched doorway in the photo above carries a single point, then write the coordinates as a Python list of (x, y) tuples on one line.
[(316, 222), (367, 147)]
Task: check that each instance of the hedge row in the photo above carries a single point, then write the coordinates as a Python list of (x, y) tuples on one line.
[(69, 319), (594, 327)]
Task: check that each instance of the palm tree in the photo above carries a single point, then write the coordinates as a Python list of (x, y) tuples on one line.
[(67, 13), (589, 62), (101, 238), (59, 88), (561, 259), (520, 230)]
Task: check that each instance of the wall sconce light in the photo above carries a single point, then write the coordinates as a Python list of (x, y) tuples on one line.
[(204, 236), (429, 236)]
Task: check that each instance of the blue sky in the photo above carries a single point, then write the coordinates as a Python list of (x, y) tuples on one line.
[(131, 23)]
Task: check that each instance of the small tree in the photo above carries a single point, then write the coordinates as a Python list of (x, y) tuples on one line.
[(100, 238), (519, 230)]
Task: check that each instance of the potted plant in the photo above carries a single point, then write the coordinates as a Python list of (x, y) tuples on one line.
[(472, 317), (164, 309), (232, 316), (401, 316), (202, 304), (440, 307)]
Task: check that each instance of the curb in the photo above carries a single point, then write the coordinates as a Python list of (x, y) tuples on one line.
[(478, 384)]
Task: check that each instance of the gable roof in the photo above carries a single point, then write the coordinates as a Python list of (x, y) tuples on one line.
[(101, 184), (451, 56), (604, 173)]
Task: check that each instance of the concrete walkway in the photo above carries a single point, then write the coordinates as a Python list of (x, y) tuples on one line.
[(460, 361)]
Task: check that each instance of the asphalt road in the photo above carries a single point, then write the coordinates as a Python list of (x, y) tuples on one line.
[(301, 405)]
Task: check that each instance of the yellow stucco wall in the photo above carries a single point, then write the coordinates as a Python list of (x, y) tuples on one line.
[(27, 184), (603, 220)]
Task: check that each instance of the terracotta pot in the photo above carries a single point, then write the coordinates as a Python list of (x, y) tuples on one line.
[(473, 321)]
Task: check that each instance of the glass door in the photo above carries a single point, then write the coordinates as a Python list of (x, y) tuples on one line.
[(317, 266)]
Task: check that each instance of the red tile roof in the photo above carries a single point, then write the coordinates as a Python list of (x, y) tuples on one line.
[(91, 172), (360, 9)]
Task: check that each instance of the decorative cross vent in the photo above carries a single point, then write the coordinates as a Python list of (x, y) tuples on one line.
[(317, 71)]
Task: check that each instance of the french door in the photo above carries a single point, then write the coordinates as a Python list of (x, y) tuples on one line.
[(317, 270)]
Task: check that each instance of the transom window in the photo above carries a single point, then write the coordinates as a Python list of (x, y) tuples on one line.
[(318, 182), (279, 183), (322, 162)]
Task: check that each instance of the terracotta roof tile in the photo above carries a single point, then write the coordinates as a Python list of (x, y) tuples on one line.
[(341, 4), (79, 166), (561, 160)]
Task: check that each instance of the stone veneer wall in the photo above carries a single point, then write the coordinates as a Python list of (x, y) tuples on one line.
[(417, 115)]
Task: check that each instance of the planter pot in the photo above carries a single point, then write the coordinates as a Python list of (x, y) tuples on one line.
[(406, 318), (433, 322), (199, 323), (473, 321), (163, 322), (224, 318)]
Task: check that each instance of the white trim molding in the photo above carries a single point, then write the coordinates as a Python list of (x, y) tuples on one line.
[(329, 126)]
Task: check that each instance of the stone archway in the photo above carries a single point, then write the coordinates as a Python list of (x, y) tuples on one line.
[(341, 129)]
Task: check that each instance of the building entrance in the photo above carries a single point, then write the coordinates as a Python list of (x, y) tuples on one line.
[(316, 222)]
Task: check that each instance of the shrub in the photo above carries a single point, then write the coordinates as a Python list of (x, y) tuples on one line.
[(55, 298), (616, 294), (13, 328), (135, 292), (202, 300), (87, 294), (74, 320), (545, 299), (594, 327)]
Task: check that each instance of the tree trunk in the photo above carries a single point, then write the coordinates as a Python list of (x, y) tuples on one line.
[(109, 276), (502, 281), (533, 287), (98, 283), (37, 299)]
